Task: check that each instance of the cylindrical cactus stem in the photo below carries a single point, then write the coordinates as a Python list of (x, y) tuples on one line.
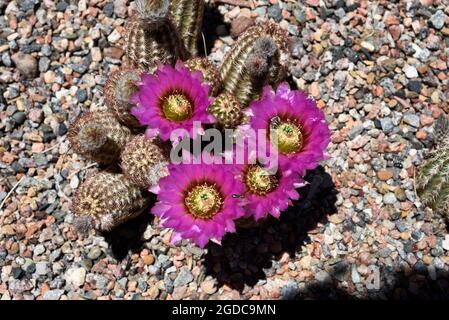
[(118, 90), (187, 15), (227, 111), (151, 37), (105, 201), (98, 136), (211, 74), (145, 161), (259, 57)]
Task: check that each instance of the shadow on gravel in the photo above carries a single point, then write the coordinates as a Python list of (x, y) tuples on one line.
[(212, 19), (392, 285), (246, 257), (128, 236)]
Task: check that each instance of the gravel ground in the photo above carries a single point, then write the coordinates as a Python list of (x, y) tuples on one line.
[(378, 69)]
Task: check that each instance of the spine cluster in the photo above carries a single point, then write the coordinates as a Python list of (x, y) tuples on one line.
[(105, 201)]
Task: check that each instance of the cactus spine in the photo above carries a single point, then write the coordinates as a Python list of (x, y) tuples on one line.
[(145, 161), (118, 90), (151, 37), (259, 57), (105, 201), (98, 136), (187, 15)]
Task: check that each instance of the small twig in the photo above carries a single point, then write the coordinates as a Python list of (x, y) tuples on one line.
[(11, 191), (414, 182), (204, 44), (80, 170), (239, 3), (51, 148)]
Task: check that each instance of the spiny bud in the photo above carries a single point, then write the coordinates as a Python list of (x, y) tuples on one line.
[(98, 136), (227, 111), (187, 16), (154, 10), (118, 90), (151, 38), (259, 57), (145, 161), (211, 75), (105, 201)]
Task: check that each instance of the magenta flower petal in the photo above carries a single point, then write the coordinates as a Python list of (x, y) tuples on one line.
[(198, 201), (172, 98), (293, 107)]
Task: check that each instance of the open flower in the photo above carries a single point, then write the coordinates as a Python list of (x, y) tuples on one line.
[(268, 187), (199, 201), (295, 126), (172, 98)]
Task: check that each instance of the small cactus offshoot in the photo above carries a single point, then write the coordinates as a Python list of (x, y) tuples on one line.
[(187, 15), (119, 88), (105, 201), (211, 74), (151, 37), (145, 161), (98, 136), (227, 111), (432, 180), (259, 57)]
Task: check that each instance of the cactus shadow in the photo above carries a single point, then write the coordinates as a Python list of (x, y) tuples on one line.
[(251, 254), (128, 237), (393, 284), (211, 21)]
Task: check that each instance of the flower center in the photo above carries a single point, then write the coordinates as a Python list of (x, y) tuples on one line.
[(204, 201), (176, 107), (289, 137), (259, 181)]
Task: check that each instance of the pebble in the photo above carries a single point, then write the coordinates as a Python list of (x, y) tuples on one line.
[(184, 277), (76, 276), (437, 19), (26, 64)]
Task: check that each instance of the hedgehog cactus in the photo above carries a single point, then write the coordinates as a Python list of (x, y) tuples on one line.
[(105, 201), (119, 88), (151, 37), (433, 176), (98, 136), (211, 74), (227, 111), (187, 15), (144, 161), (259, 57)]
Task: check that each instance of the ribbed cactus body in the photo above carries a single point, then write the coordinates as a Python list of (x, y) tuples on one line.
[(107, 200), (98, 136), (432, 180), (145, 161), (259, 57), (150, 43), (187, 15), (227, 111), (211, 74), (118, 90)]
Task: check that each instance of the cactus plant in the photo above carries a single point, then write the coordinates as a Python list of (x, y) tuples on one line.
[(259, 57), (98, 136), (144, 161), (227, 111), (119, 88), (211, 74), (187, 15), (432, 180), (105, 201), (151, 37)]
